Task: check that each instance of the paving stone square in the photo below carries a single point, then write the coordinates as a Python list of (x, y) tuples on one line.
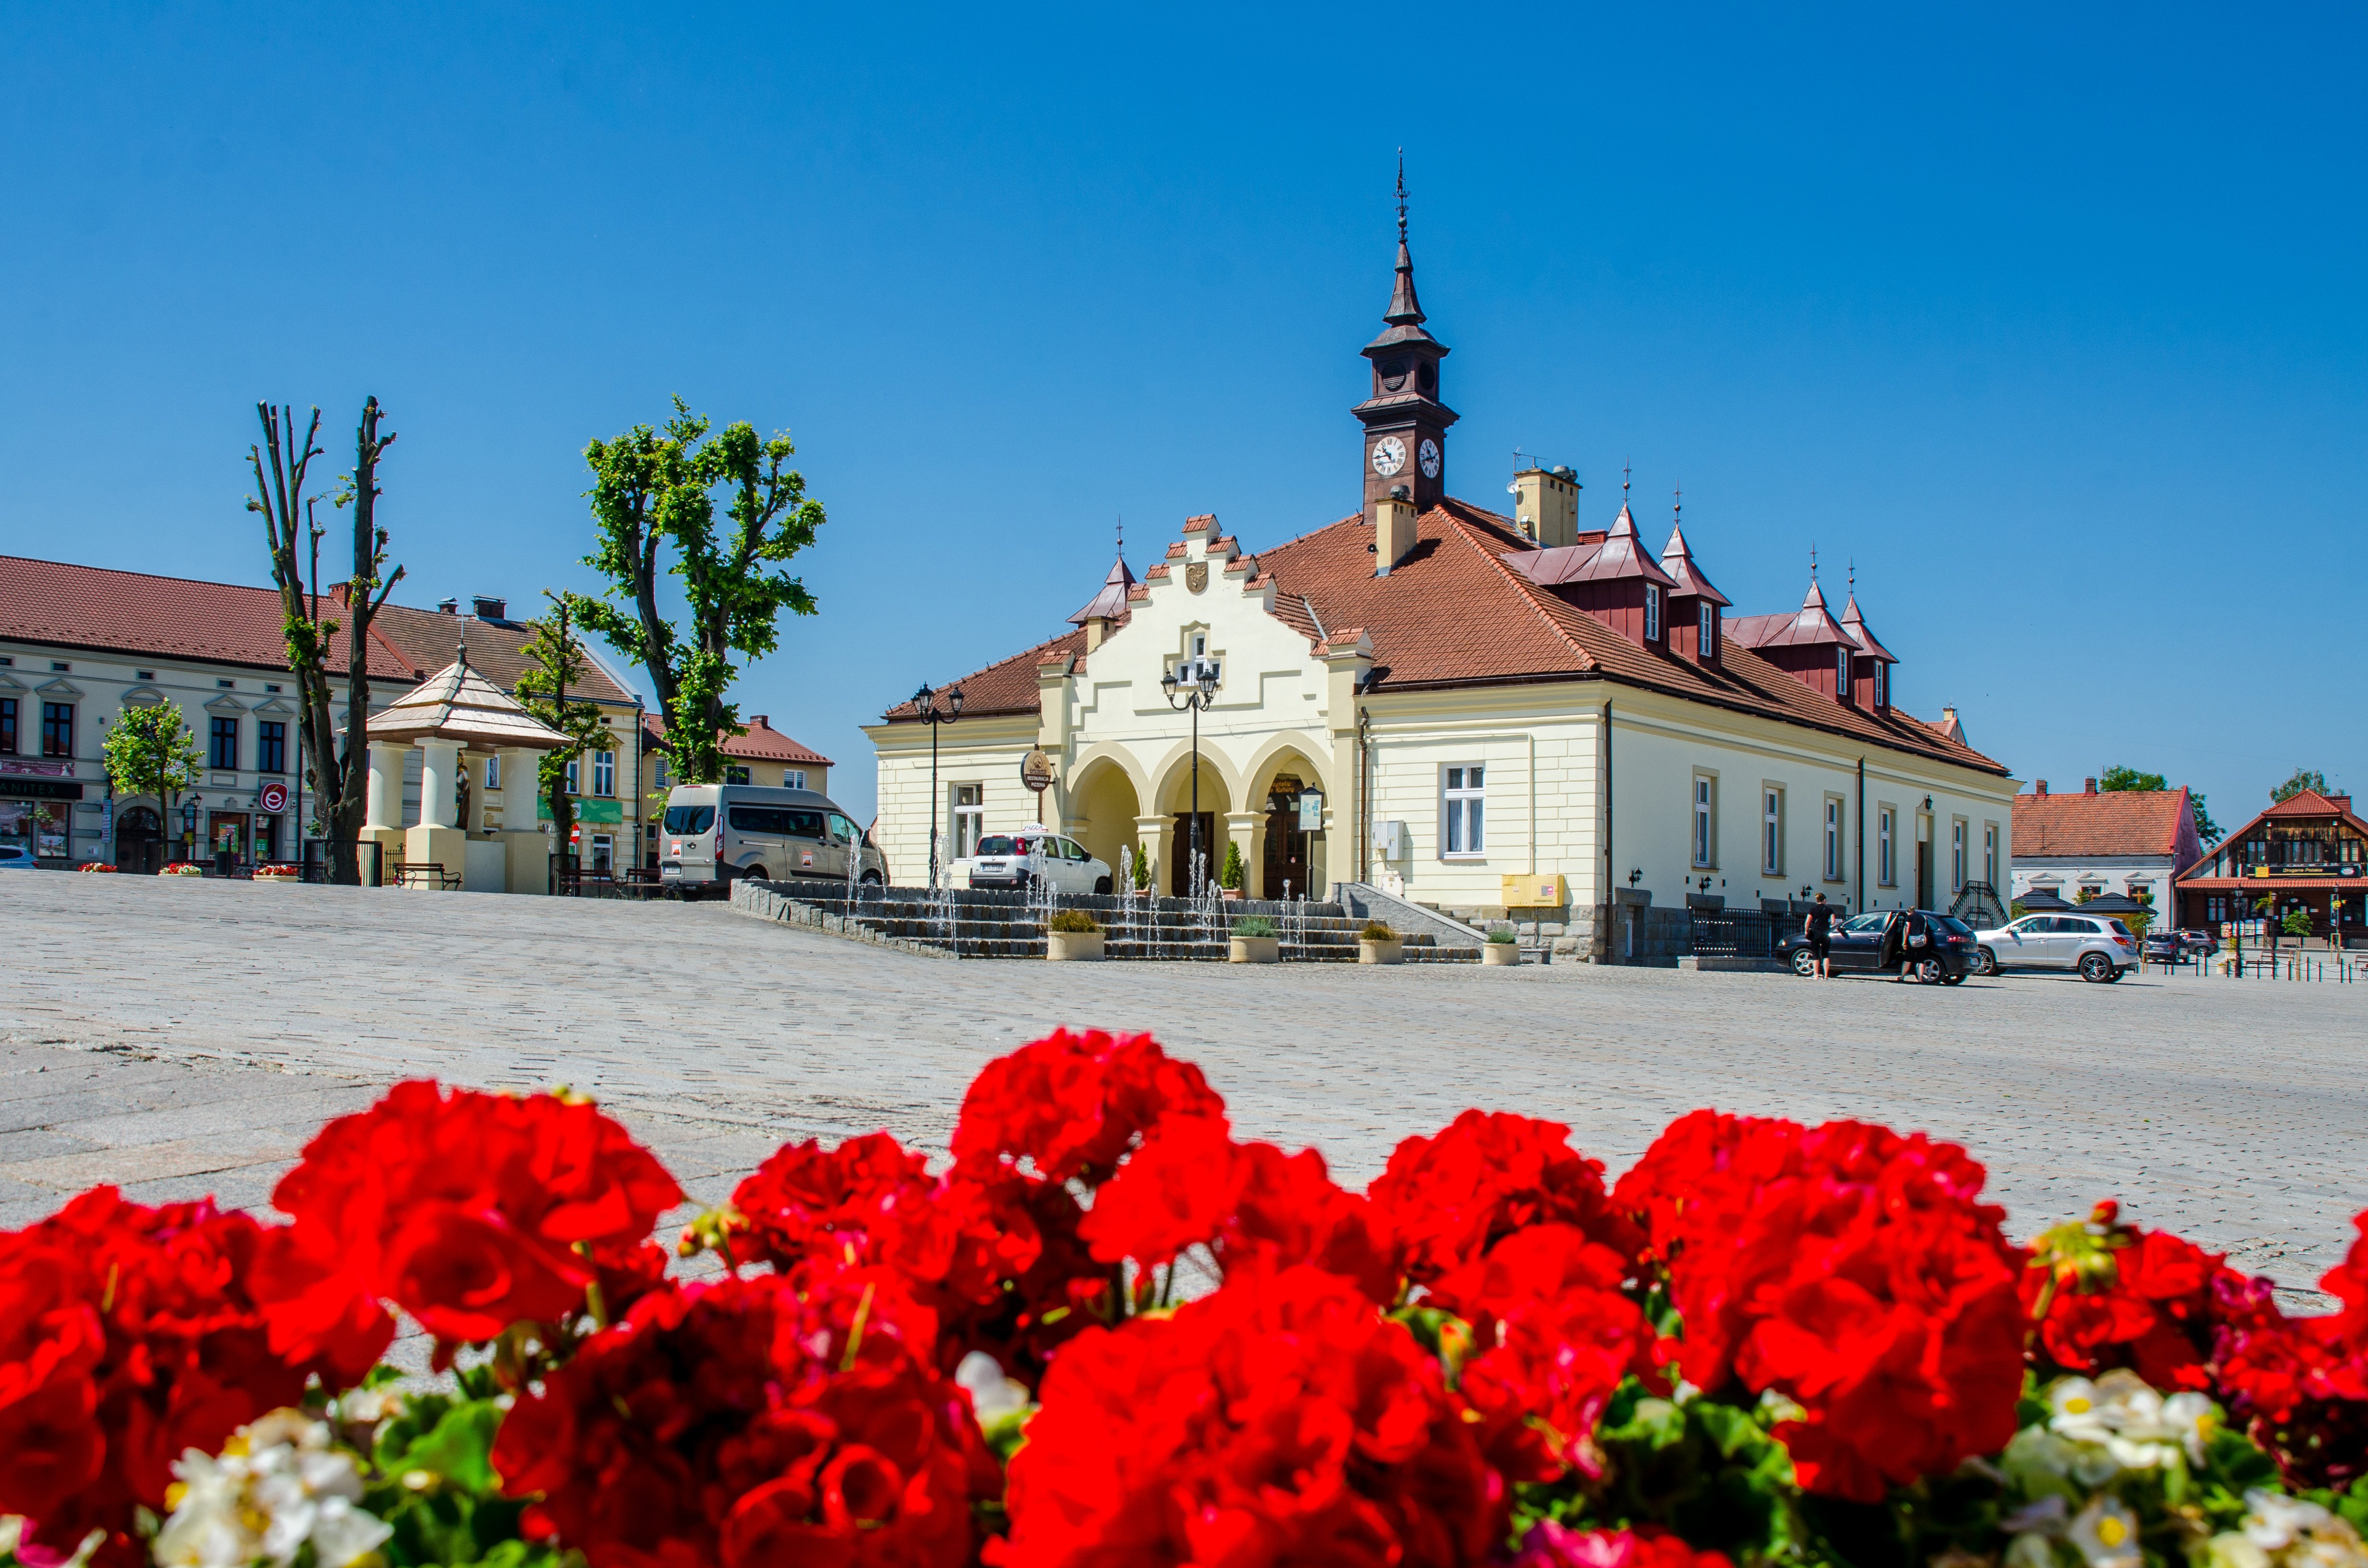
[(179, 1037)]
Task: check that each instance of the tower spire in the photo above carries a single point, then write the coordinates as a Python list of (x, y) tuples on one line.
[(1404, 310)]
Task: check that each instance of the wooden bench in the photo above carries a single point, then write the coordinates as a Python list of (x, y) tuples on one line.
[(423, 873)]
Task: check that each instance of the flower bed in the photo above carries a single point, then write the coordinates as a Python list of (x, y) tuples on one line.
[(279, 871), (182, 868), (1765, 1342), (93, 865)]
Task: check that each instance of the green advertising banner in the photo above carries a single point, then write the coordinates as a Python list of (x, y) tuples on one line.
[(596, 812)]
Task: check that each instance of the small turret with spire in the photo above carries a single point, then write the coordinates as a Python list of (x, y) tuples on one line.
[(1405, 425)]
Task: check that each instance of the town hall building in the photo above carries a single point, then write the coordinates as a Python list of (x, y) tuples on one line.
[(1475, 710)]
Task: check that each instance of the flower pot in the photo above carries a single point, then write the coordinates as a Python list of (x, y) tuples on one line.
[(1256, 949), (1500, 953), (1231, 895), (1073, 946), (1380, 952)]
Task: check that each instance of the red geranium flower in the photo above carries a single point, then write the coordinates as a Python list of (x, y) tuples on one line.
[(2301, 1384), (736, 1424), (1072, 1104), (1282, 1419), (1851, 1270), (2107, 1294), (1550, 1545), (1448, 1198), (130, 1333), (473, 1211)]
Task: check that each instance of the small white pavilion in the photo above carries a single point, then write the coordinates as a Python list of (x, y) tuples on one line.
[(452, 717)]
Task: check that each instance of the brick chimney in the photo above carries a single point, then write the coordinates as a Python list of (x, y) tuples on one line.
[(2341, 803), (1392, 530), (2091, 785), (2042, 785), (1546, 505)]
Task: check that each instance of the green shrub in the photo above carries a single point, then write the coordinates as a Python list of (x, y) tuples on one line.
[(1375, 931), (1503, 933), (1142, 872), (2297, 922), (1254, 925), (1076, 922), (1230, 875)]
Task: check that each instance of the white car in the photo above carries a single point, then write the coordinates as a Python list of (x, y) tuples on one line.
[(1018, 859), (2097, 945)]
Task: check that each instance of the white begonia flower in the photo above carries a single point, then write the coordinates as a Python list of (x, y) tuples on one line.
[(2274, 1521), (992, 1396), (277, 1486), (2031, 1549), (2234, 1549), (2190, 1420), (2075, 1413), (2106, 1532)]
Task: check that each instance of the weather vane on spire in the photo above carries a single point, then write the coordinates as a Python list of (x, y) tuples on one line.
[(1676, 502), (1813, 562), (1122, 535), (1625, 468), (1402, 199)]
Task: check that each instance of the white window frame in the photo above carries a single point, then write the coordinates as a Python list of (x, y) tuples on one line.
[(658, 771), (1462, 811), (574, 775), (970, 811), (604, 774), (1842, 674), (794, 779), (1957, 854), (1771, 830), (1706, 629), (494, 771), (604, 847), (1834, 838), (1705, 823), (1652, 612), (1886, 862), (1882, 683), (1989, 853)]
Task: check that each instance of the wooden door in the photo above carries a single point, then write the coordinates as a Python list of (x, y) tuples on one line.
[(1179, 880), (1285, 871)]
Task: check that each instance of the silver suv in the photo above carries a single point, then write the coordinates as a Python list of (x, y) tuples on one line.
[(2100, 947), (713, 833)]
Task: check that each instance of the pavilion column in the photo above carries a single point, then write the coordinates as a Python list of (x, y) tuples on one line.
[(437, 840), (382, 805)]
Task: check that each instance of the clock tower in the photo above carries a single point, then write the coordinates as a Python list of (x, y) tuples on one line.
[(1405, 425)]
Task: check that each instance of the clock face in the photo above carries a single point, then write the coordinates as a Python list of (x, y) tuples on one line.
[(1389, 455), (1429, 459)]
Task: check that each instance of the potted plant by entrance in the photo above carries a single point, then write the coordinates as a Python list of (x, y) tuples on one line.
[(1229, 876), (1502, 946), (1072, 933), (1142, 877), (1254, 941), (1378, 944)]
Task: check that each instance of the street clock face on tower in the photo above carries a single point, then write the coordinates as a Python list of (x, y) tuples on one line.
[(1389, 455), (1429, 457)]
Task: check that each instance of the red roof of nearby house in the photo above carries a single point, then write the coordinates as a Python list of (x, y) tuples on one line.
[(2112, 822), (761, 743), (2311, 803), (1457, 611), (180, 618)]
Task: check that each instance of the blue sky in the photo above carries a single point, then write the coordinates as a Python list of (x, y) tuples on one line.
[(2050, 319)]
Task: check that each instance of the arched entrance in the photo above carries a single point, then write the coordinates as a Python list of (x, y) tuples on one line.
[(1102, 807), (1288, 866), (138, 842), (1177, 803)]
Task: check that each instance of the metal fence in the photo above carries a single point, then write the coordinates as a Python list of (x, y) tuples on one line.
[(1737, 933)]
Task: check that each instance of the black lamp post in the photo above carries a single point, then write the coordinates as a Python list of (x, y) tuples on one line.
[(189, 824), (1192, 685), (926, 701)]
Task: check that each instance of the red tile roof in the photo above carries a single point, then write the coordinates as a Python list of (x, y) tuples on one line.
[(430, 640), (2114, 821), (169, 618), (761, 743), (2310, 803), (1811, 625), (1455, 611)]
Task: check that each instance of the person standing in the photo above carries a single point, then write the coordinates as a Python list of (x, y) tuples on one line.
[(1819, 929)]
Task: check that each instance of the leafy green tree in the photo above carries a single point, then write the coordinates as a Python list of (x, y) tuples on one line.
[(150, 751), (2304, 779), (2205, 828), (339, 771), (2297, 922), (2118, 778), (653, 494), (1230, 876), (555, 661)]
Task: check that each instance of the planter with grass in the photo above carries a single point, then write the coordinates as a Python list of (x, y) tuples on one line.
[(1254, 941), (1072, 935), (1378, 944), (1502, 946)]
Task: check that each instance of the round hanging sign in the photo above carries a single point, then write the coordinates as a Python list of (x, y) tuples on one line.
[(1036, 770), (274, 798)]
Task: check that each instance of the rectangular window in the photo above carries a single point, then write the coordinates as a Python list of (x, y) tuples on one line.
[(271, 746), (658, 766), (1989, 853), (1833, 840), (1771, 832), (1882, 683), (493, 773), (604, 852), (8, 727), (1706, 629), (1956, 857), (574, 776), (1703, 803), (970, 818), (1465, 832), (734, 775), (1652, 612), (1841, 673), (1884, 875), (604, 773), (794, 779), (225, 746), (57, 729)]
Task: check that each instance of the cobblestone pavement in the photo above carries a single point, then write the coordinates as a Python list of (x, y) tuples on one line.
[(179, 1037)]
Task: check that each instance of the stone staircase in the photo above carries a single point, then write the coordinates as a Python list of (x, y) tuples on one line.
[(977, 923)]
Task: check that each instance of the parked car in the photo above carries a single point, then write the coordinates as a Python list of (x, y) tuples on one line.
[(1938, 947), (2100, 947), (2203, 942), (1018, 860), (17, 858), (713, 833), (2165, 947)]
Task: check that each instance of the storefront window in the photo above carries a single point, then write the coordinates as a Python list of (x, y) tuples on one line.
[(37, 825)]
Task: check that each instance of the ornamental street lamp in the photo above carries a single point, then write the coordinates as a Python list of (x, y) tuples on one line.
[(190, 824), (925, 701), (1192, 685)]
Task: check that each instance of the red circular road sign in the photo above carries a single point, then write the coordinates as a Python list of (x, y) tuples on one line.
[(274, 798)]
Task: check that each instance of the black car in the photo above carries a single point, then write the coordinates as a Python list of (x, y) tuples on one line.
[(1939, 948)]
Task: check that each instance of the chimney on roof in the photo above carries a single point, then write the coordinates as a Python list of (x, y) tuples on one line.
[(1545, 504), (491, 609), (448, 606), (760, 722), (2340, 802), (1393, 529), (2090, 786), (2042, 785)]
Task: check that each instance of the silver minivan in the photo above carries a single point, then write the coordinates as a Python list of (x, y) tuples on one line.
[(713, 833), (2100, 947)]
